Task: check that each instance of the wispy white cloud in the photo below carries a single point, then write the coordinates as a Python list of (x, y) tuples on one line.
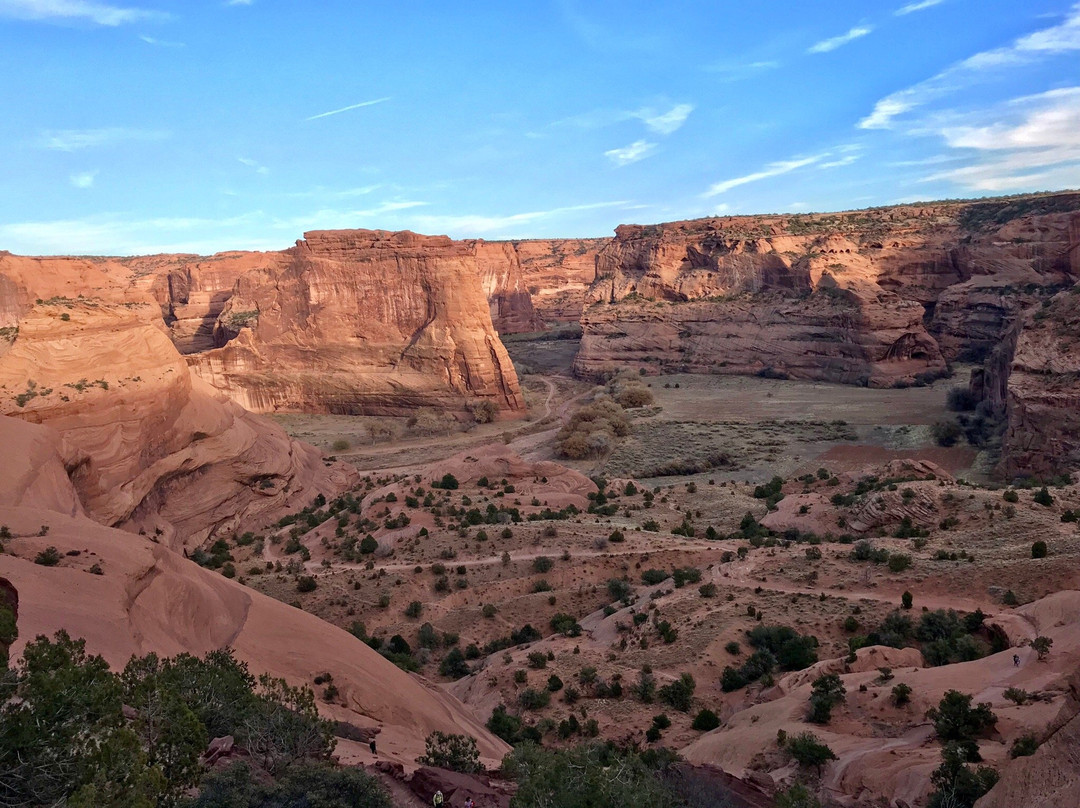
[(661, 123), (161, 43), (846, 160), (474, 224), (638, 150), (76, 10), (70, 140), (911, 8), (239, 2), (110, 234), (771, 170), (84, 179), (1029, 142), (1063, 37), (346, 109), (664, 123), (826, 45), (734, 71), (259, 168)]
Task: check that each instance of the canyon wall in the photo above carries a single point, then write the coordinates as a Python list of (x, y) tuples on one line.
[(558, 273), (147, 445), (361, 322), (880, 297)]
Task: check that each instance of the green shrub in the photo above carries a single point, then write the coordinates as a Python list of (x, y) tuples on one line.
[(450, 751), (1042, 497), (705, 721), (49, 557), (680, 693), (955, 719), (1038, 549), (306, 583), (1024, 746), (826, 692), (807, 750)]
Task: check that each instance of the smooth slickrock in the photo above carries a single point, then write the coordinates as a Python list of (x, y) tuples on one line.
[(148, 446), (144, 597)]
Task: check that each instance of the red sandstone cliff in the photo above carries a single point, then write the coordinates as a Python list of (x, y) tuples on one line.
[(147, 445), (361, 322), (875, 297), (558, 273)]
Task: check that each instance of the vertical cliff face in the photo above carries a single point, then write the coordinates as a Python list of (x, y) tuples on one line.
[(150, 447), (504, 285), (879, 297), (558, 273), (1041, 380), (192, 291), (362, 322)]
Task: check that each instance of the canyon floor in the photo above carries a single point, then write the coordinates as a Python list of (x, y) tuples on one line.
[(664, 577)]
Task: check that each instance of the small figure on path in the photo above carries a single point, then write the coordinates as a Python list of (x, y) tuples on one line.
[(1016, 660)]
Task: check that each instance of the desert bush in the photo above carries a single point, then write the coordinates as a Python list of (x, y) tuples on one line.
[(807, 750), (705, 721), (450, 751), (961, 399), (946, 433)]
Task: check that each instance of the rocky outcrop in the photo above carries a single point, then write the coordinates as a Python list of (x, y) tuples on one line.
[(879, 297), (1040, 372), (362, 322), (147, 445), (504, 286), (1050, 777), (192, 292), (127, 595), (558, 273)]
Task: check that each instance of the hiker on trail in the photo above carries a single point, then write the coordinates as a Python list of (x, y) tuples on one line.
[(469, 803), (371, 746), (1016, 660), (437, 800)]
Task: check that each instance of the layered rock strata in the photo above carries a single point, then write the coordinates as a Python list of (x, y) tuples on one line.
[(362, 322), (879, 297), (148, 446)]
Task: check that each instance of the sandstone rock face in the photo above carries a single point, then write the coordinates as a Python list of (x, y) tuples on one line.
[(150, 598), (362, 322), (146, 444), (192, 292), (504, 286), (876, 297), (1041, 377), (558, 273)]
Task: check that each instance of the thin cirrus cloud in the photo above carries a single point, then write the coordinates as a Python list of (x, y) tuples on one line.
[(664, 123), (84, 179), (61, 11), (771, 170), (70, 140), (827, 45), (1058, 39), (1031, 140), (371, 103), (638, 150), (478, 223), (254, 164), (911, 8), (161, 43)]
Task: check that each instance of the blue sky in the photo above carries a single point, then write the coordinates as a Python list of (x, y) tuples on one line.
[(136, 126)]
